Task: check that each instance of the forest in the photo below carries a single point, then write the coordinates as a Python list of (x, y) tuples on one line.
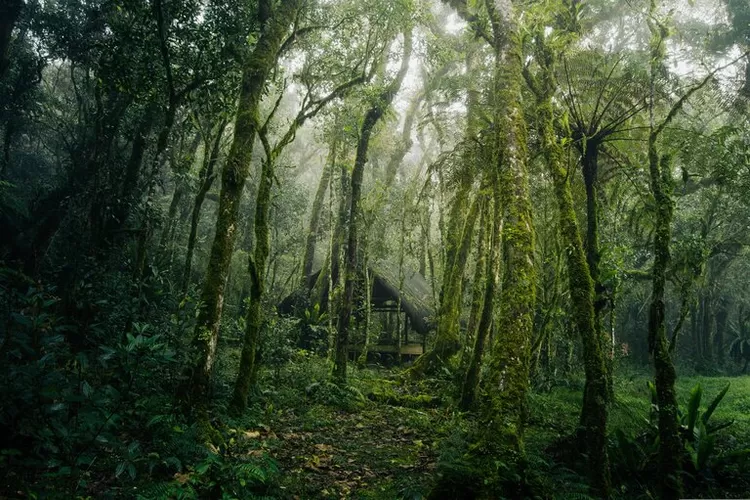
[(403, 249)]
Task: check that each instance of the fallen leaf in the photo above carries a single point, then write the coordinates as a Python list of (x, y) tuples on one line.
[(181, 478)]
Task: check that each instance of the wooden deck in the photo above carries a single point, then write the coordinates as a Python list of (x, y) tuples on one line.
[(406, 349)]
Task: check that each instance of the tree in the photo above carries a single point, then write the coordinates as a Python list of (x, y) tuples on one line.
[(378, 106), (310, 107), (275, 22), (581, 284), (660, 174)]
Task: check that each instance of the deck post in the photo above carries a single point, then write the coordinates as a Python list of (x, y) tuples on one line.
[(398, 330), (406, 328)]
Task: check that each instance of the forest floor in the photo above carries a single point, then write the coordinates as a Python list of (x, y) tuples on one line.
[(377, 452), (386, 439)]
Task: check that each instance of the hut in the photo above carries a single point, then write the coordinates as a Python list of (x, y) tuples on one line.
[(402, 306)]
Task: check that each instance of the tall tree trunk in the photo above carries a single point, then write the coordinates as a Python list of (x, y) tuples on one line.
[(478, 285), (317, 209), (381, 104), (233, 176), (185, 162), (670, 444), (206, 177), (447, 342), (671, 449), (491, 272), (581, 284), (457, 237), (257, 271), (129, 184), (508, 371), (590, 166), (722, 314)]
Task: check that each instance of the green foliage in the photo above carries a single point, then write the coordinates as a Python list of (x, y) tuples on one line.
[(229, 473), (79, 402), (328, 393), (636, 456)]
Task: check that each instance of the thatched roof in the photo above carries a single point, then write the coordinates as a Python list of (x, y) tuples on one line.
[(415, 294)]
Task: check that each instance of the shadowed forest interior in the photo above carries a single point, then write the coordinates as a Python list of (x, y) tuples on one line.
[(439, 249)]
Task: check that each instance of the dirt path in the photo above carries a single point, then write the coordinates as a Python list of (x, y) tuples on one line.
[(377, 452)]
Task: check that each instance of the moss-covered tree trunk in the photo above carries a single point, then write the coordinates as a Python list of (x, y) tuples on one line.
[(477, 285), (457, 242), (489, 290), (380, 104), (447, 342), (275, 23), (315, 213), (590, 168), (660, 179), (206, 177), (257, 271), (670, 445), (581, 284), (508, 370)]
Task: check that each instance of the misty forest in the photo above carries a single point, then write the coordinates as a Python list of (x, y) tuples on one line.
[(418, 249)]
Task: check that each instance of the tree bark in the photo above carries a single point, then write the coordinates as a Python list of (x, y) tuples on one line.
[(484, 302), (184, 164), (257, 270), (590, 167), (670, 444), (447, 342), (478, 285), (457, 235)]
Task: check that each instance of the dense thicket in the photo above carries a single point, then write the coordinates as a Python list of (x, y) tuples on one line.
[(209, 210)]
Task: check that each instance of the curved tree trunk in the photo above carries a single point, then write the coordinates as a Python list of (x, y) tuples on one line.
[(207, 177), (257, 270), (233, 176), (478, 285), (491, 282), (381, 104), (581, 284), (447, 342), (317, 209), (457, 240), (184, 164)]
